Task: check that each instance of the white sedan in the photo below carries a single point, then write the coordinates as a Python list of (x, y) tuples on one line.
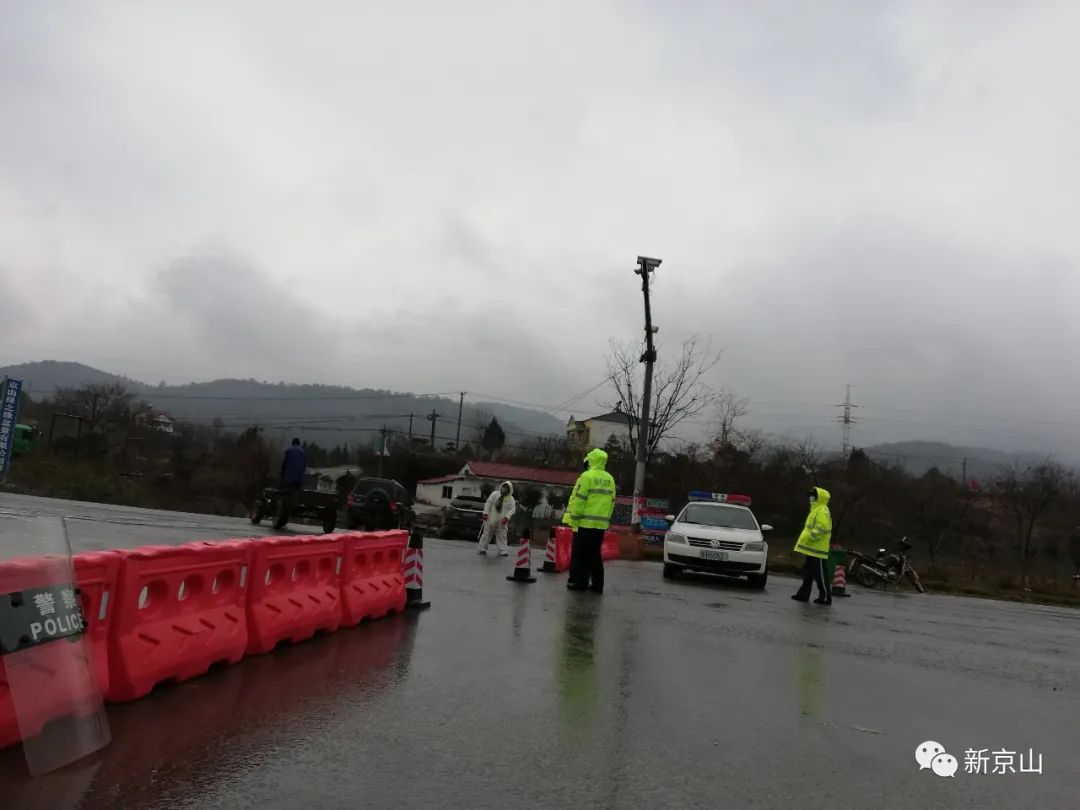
[(717, 538)]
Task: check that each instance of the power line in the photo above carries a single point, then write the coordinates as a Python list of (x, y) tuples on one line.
[(144, 395)]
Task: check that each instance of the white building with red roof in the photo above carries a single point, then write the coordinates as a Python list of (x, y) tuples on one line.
[(470, 481)]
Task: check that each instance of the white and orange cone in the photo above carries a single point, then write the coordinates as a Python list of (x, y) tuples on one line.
[(550, 566), (414, 572), (839, 582), (523, 568)]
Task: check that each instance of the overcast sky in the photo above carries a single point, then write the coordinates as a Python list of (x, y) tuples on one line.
[(450, 196)]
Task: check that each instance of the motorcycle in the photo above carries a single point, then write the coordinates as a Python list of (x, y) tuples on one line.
[(889, 568)]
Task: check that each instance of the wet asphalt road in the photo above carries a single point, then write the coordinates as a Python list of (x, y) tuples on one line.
[(697, 693)]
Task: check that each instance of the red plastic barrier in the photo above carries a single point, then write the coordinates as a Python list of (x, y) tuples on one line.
[(179, 610), (295, 589), (96, 574), (564, 543), (57, 669), (609, 548), (373, 577)]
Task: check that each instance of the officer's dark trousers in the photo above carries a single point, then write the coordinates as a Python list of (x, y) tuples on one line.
[(586, 564), (814, 571)]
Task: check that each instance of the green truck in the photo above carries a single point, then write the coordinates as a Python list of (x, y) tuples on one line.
[(24, 440)]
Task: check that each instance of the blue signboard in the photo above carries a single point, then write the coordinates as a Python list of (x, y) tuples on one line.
[(658, 524), (9, 413)]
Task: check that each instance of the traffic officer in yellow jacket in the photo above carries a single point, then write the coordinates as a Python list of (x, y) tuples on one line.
[(813, 543), (590, 508)]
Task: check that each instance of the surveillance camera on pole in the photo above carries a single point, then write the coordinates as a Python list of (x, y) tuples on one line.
[(645, 266)]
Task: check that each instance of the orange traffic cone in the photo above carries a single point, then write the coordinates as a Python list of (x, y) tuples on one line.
[(839, 582), (550, 566), (523, 569)]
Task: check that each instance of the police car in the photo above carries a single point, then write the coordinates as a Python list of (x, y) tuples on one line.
[(718, 534)]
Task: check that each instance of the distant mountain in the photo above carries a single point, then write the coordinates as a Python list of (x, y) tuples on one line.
[(327, 414), (48, 375), (919, 457)]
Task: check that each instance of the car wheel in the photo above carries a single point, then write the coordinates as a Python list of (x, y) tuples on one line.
[(257, 514), (352, 523), (758, 580), (671, 571), (329, 523)]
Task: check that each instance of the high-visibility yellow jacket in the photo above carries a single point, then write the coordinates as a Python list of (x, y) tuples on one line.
[(593, 498), (814, 540)]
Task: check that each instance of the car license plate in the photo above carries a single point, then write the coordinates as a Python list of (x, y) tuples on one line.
[(719, 556)]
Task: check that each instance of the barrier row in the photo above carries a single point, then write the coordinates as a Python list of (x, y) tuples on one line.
[(564, 538), (161, 614)]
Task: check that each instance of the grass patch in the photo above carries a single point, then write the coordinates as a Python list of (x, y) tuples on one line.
[(1004, 589)]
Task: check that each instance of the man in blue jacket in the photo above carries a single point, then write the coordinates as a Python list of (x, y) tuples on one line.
[(293, 467)]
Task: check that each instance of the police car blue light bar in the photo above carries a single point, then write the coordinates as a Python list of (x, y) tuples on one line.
[(719, 497)]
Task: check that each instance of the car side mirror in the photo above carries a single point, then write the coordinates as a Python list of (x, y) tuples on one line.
[(766, 528), (669, 518)]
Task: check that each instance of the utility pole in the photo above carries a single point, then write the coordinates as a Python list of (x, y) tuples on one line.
[(645, 266), (460, 407), (433, 417), (846, 420), (410, 429), (382, 448), (963, 475)]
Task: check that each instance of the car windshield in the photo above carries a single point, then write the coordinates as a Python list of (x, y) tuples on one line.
[(724, 517)]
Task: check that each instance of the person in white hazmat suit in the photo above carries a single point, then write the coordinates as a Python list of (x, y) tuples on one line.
[(498, 510)]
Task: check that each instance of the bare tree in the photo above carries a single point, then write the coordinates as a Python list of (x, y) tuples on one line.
[(730, 408), (941, 505), (548, 451), (101, 406), (1025, 495), (752, 442), (809, 457), (1074, 555), (679, 388), (477, 423)]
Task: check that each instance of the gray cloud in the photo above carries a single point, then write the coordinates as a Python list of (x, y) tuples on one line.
[(437, 198)]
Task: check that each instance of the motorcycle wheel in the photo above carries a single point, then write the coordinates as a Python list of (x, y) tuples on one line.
[(865, 577), (915, 580), (282, 519)]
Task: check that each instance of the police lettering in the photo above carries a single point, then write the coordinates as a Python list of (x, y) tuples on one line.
[(64, 625)]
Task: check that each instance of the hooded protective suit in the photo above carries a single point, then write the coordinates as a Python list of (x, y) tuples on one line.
[(498, 510)]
